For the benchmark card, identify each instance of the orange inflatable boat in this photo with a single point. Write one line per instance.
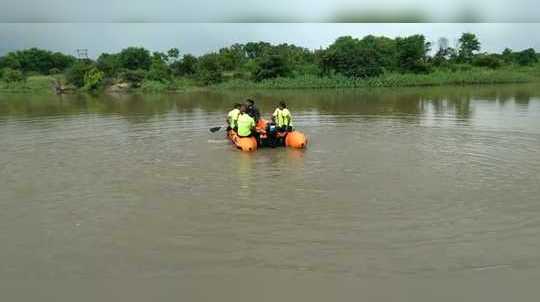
(269, 137)
(247, 144)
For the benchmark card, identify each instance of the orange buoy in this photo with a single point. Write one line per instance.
(296, 140)
(247, 144)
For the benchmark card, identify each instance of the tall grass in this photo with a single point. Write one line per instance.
(436, 78)
(40, 83)
(463, 76)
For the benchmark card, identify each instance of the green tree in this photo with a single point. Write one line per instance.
(359, 58)
(135, 58)
(189, 63)
(159, 70)
(36, 60)
(443, 53)
(233, 57)
(93, 78)
(256, 49)
(339, 57)
(299, 59)
(527, 57)
(109, 64)
(209, 70)
(161, 56)
(12, 75)
(134, 77)
(186, 66)
(385, 51)
(468, 44)
(173, 54)
(487, 60)
(412, 52)
(272, 67)
(61, 61)
(291, 52)
(75, 75)
(453, 54)
(508, 55)
(10, 61)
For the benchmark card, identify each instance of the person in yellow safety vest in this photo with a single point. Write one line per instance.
(282, 117)
(246, 124)
(232, 117)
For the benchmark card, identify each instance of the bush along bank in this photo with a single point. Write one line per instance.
(347, 63)
(437, 78)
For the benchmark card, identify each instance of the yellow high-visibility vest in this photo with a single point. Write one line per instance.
(232, 117)
(245, 124)
(283, 117)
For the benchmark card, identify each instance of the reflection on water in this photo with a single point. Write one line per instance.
(419, 188)
(136, 108)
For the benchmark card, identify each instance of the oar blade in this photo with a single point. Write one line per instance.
(215, 129)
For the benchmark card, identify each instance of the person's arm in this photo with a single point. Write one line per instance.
(288, 119)
(274, 115)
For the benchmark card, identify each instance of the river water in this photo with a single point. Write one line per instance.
(424, 194)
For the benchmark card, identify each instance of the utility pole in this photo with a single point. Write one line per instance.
(82, 53)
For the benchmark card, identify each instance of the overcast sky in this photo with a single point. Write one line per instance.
(199, 38)
(272, 11)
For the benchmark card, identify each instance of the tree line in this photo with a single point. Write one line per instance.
(365, 57)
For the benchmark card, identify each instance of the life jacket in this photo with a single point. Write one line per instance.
(283, 117)
(232, 117)
(245, 124)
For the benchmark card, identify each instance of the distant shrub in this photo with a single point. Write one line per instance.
(109, 64)
(273, 66)
(75, 75)
(153, 86)
(460, 67)
(186, 66)
(36, 60)
(93, 78)
(307, 69)
(159, 71)
(250, 66)
(12, 75)
(134, 58)
(134, 77)
(489, 61)
(421, 67)
(54, 71)
(209, 70)
(411, 54)
(527, 57)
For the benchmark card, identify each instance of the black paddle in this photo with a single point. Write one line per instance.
(215, 129)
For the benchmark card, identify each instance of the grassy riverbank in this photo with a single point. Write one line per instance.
(471, 76)
(38, 83)
(474, 76)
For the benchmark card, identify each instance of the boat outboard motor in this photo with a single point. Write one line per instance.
(271, 132)
(271, 128)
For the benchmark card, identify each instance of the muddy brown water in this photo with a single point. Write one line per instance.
(420, 194)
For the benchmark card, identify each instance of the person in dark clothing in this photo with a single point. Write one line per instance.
(252, 110)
